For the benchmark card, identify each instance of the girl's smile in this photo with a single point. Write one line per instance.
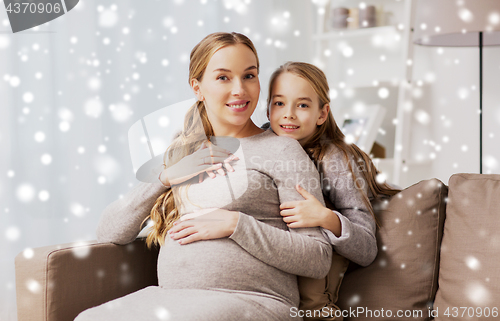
(289, 128)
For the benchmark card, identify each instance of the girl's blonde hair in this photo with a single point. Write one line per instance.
(329, 133)
(197, 129)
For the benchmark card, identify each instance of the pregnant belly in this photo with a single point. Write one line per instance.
(219, 264)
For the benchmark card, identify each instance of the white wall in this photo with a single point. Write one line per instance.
(451, 97)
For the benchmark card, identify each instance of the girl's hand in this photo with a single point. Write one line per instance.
(206, 224)
(207, 159)
(307, 213)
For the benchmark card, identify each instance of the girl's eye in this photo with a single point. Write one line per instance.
(303, 106)
(279, 103)
(222, 78)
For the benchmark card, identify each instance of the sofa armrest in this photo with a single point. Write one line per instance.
(60, 281)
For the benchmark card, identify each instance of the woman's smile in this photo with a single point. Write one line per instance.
(239, 106)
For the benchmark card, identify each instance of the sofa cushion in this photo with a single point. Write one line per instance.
(403, 276)
(318, 296)
(470, 253)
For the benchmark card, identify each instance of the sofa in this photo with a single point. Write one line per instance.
(439, 252)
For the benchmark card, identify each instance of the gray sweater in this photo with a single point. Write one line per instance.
(357, 240)
(262, 256)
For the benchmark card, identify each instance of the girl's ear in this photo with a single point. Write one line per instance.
(195, 85)
(323, 114)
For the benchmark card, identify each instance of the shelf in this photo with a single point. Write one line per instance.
(367, 85)
(354, 58)
(352, 33)
(390, 161)
(355, 3)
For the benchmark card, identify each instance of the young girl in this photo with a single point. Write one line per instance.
(299, 108)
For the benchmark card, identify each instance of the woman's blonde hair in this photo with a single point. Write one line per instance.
(197, 129)
(329, 133)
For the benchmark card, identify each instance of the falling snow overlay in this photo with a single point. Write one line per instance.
(71, 89)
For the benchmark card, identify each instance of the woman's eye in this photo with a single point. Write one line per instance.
(250, 76)
(303, 106)
(222, 78)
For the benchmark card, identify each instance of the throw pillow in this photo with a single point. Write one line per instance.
(470, 253)
(402, 281)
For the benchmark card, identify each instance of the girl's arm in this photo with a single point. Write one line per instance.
(120, 221)
(310, 212)
(357, 240)
(346, 222)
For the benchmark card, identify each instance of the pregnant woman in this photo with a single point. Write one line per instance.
(248, 271)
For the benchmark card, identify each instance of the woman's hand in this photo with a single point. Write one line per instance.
(309, 213)
(206, 224)
(207, 159)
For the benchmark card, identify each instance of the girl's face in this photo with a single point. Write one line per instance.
(230, 87)
(295, 111)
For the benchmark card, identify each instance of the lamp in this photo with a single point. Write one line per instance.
(460, 23)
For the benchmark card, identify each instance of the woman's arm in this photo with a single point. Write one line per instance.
(302, 251)
(290, 251)
(120, 221)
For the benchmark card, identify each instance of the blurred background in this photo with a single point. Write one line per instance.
(72, 88)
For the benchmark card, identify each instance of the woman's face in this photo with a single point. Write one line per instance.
(230, 87)
(294, 110)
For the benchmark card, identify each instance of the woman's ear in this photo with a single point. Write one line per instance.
(323, 114)
(195, 85)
